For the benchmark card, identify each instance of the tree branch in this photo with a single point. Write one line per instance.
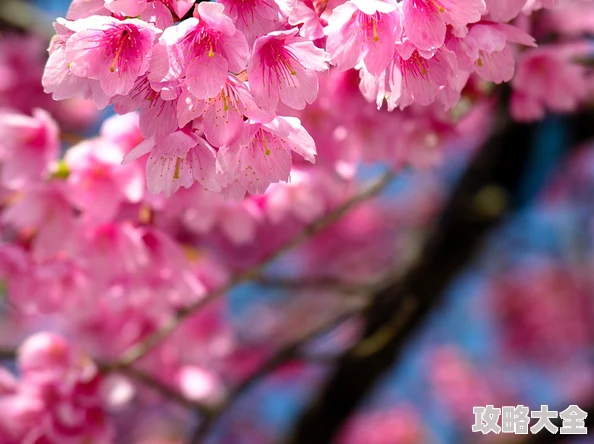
(138, 351)
(281, 357)
(483, 195)
(321, 283)
(7, 353)
(163, 389)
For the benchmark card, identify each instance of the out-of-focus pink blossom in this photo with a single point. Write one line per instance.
(57, 398)
(393, 425)
(504, 10)
(486, 51)
(98, 182)
(548, 79)
(27, 146)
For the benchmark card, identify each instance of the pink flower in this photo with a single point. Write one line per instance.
(457, 383)
(169, 270)
(22, 61)
(394, 424)
(263, 155)
(58, 397)
(128, 8)
(504, 10)
(98, 182)
(252, 17)
(203, 212)
(27, 146)
(415, 77)
(486, 51)
(283, 67)
(202, 50)
(45, 356)
(157, 12)
(535, 5)
(157, 115)
(570, 18)
(122, 130)
(363, 30)
(80, 9)
(222, 116)
(111, 253)
(301, 197)
(546, 78)
(115, 52)
(425, 21)
(59, 80)
(306, 15)
(42, 208)
(177, 160)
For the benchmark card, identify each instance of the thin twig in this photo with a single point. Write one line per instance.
(281, 357)
(321, 283)
(293, 350)
(7, 353)
(399, 312)
(139, 350)
(160, 387)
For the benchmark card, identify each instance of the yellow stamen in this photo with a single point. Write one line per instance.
(177, 164)
(118, 52)
(225, 104)
(145, 214)
(266, 149)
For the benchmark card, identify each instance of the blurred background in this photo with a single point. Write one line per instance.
(512, 325)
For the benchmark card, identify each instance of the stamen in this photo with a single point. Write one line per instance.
(177, 164)
(122, 42)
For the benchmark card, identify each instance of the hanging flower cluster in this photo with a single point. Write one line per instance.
(216, 83)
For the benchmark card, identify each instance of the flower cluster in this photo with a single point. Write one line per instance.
(60, 396)
(216, 83)
(22, 58)
(87, 250)
(232, 95)
(200, 120)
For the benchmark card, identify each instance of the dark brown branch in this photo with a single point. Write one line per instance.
(166, 391)
(139, 350)
(294, 349)
(481, 198)
(7, 353)
(322, 283)
(282, 356)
